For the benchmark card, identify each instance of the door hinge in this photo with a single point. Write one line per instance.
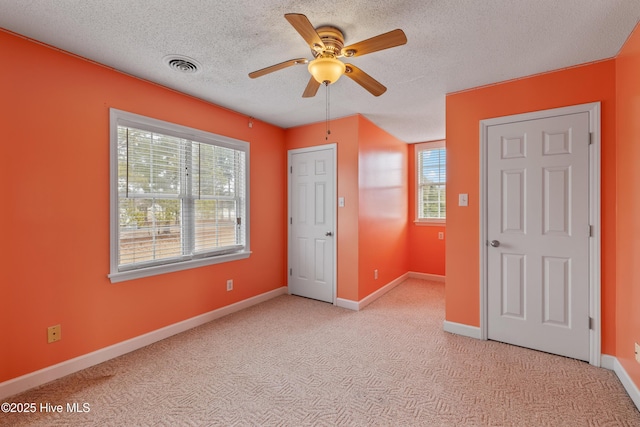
(290, 271)
(290, 169)
(590, 138)
(591, 231)
(291, 220)
(239, 220)
(591, 323)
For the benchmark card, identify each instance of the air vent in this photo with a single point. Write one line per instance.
(182, 64)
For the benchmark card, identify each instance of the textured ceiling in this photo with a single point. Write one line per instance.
(452, 45)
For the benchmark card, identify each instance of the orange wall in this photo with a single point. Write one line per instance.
(426, 253)
(54, 171)
(372, 178)
(628, 200)
(464, 110)
(344, 132)
(382, 216)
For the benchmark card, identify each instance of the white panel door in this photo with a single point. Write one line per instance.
(538, 234)
(311, 223)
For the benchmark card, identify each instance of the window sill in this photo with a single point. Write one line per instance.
(178, 266)
(431, 222)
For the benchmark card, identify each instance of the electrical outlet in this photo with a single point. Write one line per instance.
(375, 274)
(441, 235)
(230, 285)
(637, 352)
(54, 333)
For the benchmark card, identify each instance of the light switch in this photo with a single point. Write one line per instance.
(463, 200)
(341, 202)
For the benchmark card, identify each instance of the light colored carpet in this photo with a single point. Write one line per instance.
(296, 362)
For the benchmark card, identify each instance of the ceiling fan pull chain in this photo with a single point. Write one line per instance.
(328, 111)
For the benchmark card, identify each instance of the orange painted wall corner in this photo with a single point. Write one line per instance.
(628, 205)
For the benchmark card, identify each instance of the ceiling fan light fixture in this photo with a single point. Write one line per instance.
(326, 69)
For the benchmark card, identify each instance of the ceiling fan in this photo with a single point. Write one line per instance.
(327, 45)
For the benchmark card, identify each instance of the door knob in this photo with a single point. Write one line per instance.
(328, 233)
(495, 243)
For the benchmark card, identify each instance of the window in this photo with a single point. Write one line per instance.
(431, 182)
(179, 197)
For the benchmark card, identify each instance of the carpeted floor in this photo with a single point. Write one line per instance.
(297, 362)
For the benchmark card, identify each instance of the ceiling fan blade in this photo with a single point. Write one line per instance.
(365, 80)
(277, 67)
(312, 88)
(383, 41)
(305, 29)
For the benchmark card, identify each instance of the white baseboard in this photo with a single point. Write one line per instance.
(612, 363)
(426, 276)
(461, 329)
(348, 304)
(608, 362)
(359, 305)
(383, 290)
(43, 376)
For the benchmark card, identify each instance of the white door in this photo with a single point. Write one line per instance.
(312, 223)
(538, 234)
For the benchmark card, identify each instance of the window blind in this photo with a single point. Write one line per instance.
(178, 199)
(431, 169)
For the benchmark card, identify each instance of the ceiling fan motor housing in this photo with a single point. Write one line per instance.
(333, 40)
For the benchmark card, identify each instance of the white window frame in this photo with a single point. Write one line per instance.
(123, 118)
(418, 148)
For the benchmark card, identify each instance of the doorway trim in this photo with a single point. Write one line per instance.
(594, 216)
(334, 151)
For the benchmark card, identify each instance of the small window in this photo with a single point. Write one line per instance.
(431, 171)
(179, 197)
